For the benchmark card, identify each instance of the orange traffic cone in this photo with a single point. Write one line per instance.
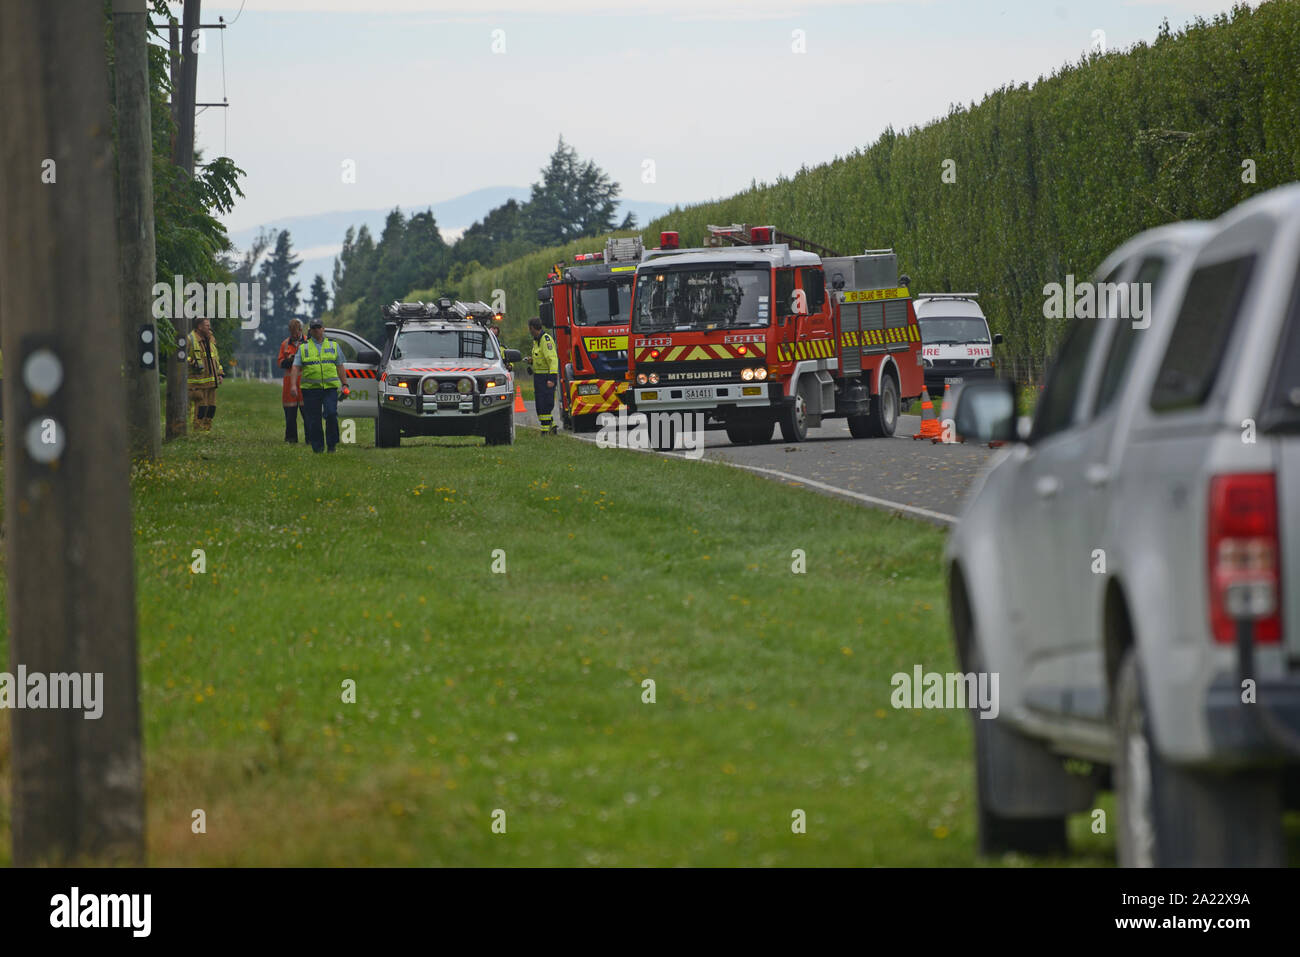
(945, 416)
(519, 399)
(930, 427)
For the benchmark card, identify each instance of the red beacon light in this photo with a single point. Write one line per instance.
(761, 235)
(669, 240)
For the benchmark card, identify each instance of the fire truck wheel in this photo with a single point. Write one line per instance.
(388, 431)
(750, 433)
(794, 418)
(882, 420)
(663, 433)
(741, 433)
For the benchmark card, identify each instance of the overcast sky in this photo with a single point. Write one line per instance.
(713, 93)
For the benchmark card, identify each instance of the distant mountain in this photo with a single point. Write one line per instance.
(317, 238)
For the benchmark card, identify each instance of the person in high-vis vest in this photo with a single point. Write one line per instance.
(318, 378)
(545, 363)
(205, 374)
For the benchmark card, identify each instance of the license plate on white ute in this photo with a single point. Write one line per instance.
(697, 393)
(445, 397)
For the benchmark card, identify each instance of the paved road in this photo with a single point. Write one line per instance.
(929, 480)
(917, 478)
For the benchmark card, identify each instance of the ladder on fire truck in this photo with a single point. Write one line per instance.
(742, 234)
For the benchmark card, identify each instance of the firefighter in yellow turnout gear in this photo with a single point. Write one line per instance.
(545, 364)
(204, 366)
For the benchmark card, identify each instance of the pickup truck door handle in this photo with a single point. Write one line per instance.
(1047, 486)
(1097, 474)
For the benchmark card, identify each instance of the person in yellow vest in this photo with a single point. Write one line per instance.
(318, 378)
(545, 364)
(205, 374)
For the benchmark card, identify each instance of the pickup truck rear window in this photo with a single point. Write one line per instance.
(1282, 406)
(1201, 333)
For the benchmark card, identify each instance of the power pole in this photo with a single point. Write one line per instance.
(77, 783)
(136, 225)
(183, 157)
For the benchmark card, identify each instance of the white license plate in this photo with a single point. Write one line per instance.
(953, 380)
(697, 393)
(448, 397)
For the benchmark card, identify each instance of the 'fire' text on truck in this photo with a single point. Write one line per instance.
(587, 305)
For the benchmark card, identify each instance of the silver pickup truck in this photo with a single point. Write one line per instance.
(1129, 564)
(441, 372)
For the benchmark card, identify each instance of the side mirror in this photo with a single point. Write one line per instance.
(997, 338)
(513, 356)
(546, 312)
(544, 294)
(986, 411)
(368, 357)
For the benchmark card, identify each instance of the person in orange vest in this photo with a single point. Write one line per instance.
(289, 398)
(205, 374)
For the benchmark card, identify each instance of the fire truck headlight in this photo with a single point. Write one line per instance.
(747, 375)
(654, 378)
(429, 386)
(984, 364)
(929, 363)
(641, 378)
(465, 386)
(760, 373)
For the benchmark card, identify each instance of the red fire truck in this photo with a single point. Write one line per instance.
(587, 304)
(762, 328)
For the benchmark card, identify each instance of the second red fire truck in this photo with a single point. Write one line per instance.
(587, 304)
(761, 329)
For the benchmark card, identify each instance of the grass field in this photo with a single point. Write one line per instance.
(523, 691)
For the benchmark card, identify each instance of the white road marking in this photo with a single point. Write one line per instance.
(835, 489)
(933, 516)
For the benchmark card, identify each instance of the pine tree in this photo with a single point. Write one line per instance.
(318, 300)
(573, 199)
(279, 281)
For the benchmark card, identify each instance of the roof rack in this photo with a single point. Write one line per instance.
(445, 308)
(742, 234)
(946, 295)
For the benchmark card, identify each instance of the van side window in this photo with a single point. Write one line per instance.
(1201, 332)
(814, 287)
(784, 291)
(1122, 346)
(1060, 396)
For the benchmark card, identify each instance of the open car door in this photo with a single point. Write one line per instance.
(360, 373)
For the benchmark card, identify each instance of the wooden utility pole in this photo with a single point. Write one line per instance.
(77, 783)
(136, 225)
(183, 157)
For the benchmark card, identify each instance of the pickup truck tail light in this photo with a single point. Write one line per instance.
(1244, 554)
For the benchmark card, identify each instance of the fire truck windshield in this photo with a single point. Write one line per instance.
(687, 298)
(443, 344)
(603, 304)
(953, 330)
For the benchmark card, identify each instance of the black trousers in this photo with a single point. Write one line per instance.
(291, 422)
